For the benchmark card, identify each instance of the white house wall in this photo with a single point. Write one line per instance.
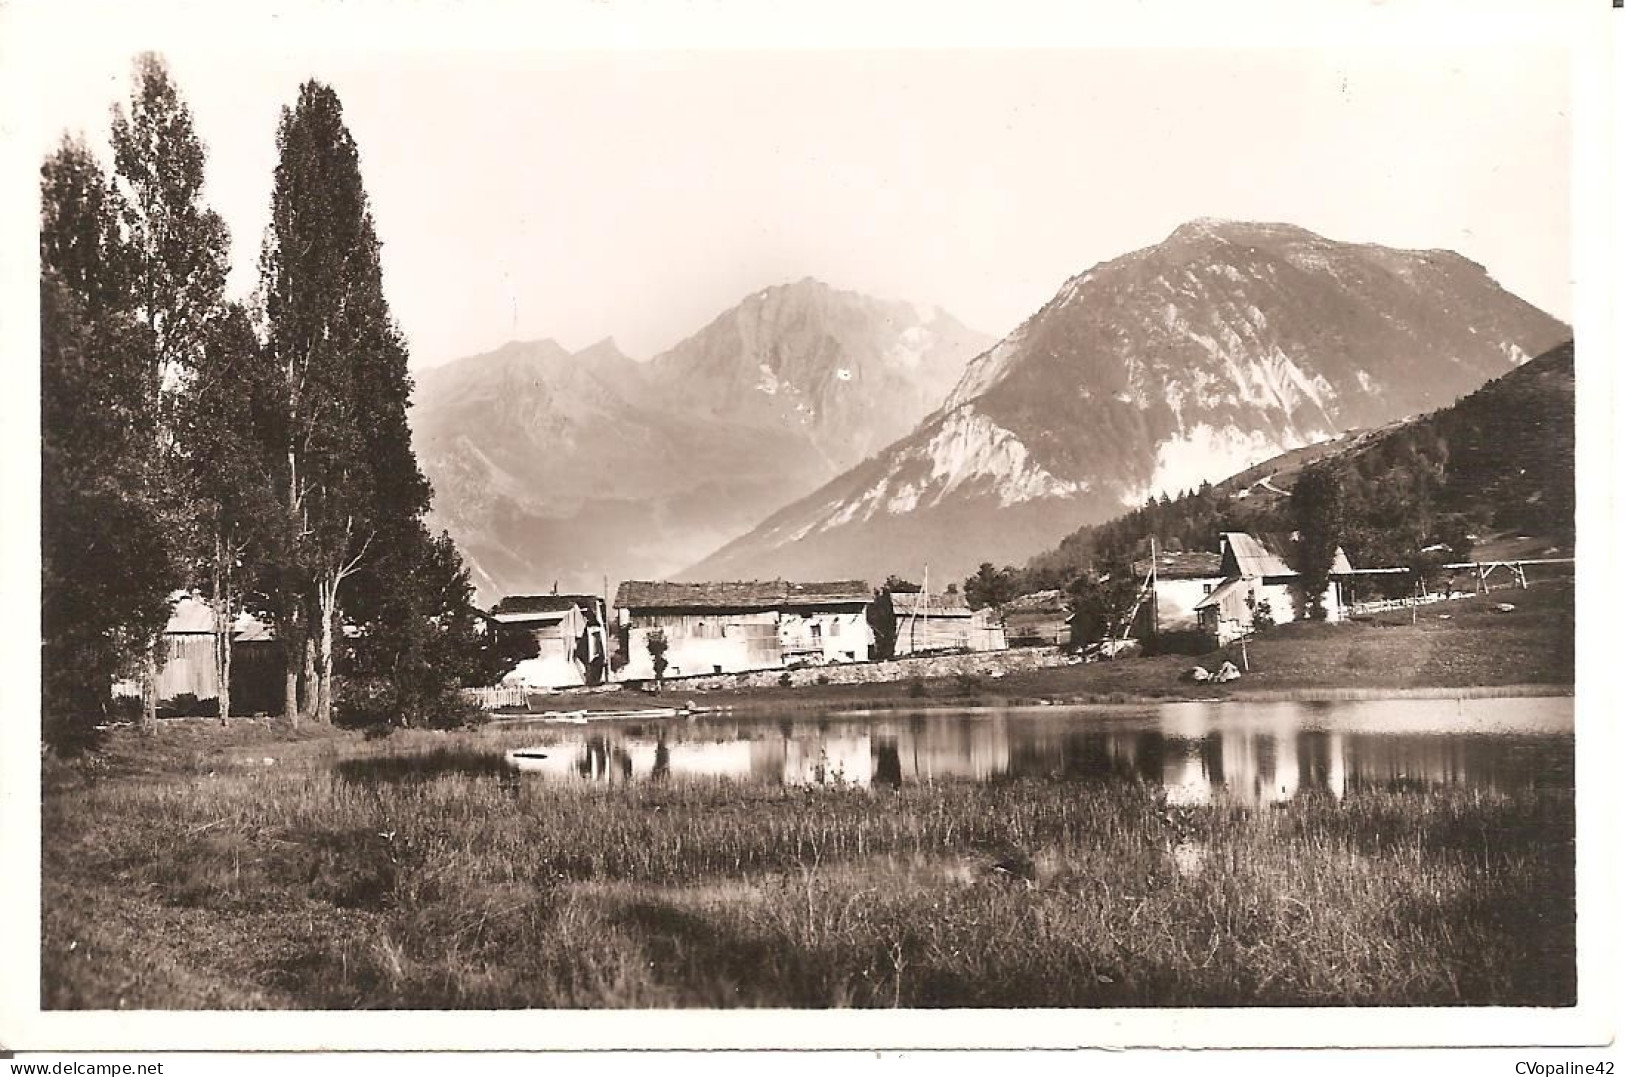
(1177, 599)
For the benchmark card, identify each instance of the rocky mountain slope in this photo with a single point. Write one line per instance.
(552, 467)
(1192, 359)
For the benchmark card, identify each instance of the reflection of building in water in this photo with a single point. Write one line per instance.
(1197, 754)
(1189, 771)
(1320, 762)
(944, 749)
(1381, 761)
(830, 760)
(611, 758)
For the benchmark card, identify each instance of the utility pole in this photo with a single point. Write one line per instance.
(1154, 623)
(925, 602)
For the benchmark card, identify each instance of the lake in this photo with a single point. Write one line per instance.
(1251, 752)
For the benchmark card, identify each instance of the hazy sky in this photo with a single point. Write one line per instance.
(579, 195)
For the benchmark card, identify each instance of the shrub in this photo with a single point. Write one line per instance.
(785, 680)
(1263, 616)
(823, 678)
(370, 702)
(188, 705)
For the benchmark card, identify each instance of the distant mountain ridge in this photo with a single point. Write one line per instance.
(552, 466)
(1221, 346)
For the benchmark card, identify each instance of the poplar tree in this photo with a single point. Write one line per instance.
(171, 258)
(221, 426)
(104, 570)
(348, 481)
(104, 574)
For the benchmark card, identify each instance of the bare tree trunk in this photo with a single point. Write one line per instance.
(290, 683)
(292, 651)
(307, 707)
(222, 627)
(149, 687)
(328, 601)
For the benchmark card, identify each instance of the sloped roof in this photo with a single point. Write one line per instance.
(1246, 556)
(905, 604)
(1221, 592)
(1250, 557)
(738, 594)
(1187, 565)
(542, 603)
(831, 591)
(190, 614)
(1051, 601)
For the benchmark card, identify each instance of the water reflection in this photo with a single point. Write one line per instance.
(1254, 753)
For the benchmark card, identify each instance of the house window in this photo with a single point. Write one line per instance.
(1207, 588)
(835, 628)
(817, 631)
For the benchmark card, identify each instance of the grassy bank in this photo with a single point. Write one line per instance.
(190, 872)
(1463, 647)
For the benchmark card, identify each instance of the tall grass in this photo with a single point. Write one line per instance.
(318, 881)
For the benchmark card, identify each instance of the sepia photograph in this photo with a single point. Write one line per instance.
(649, 518)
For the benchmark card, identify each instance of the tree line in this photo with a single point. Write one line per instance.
(254, 453)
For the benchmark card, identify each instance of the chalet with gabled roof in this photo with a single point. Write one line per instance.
(1255, 574)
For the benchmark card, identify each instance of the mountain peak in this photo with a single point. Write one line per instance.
(545, 347)
(1228, 231)
(605, 350)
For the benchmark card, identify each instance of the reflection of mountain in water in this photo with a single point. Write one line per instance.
(1253, 755)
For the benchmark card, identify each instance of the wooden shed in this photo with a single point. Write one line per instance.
(943, 623)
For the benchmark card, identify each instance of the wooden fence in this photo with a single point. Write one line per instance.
(501, 696)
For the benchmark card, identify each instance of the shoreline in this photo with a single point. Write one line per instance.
(757, 707)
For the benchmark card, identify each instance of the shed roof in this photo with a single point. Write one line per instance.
(738, 594)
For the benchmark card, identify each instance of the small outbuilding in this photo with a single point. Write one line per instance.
(1040, 619)
(571, 633)
(943, 622)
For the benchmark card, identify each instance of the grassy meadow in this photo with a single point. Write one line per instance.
(256, 867)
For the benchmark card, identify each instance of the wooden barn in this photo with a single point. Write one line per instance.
(943, 623)
(1041, 619)
(571, 633)
(187, 663)
(735, 626)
